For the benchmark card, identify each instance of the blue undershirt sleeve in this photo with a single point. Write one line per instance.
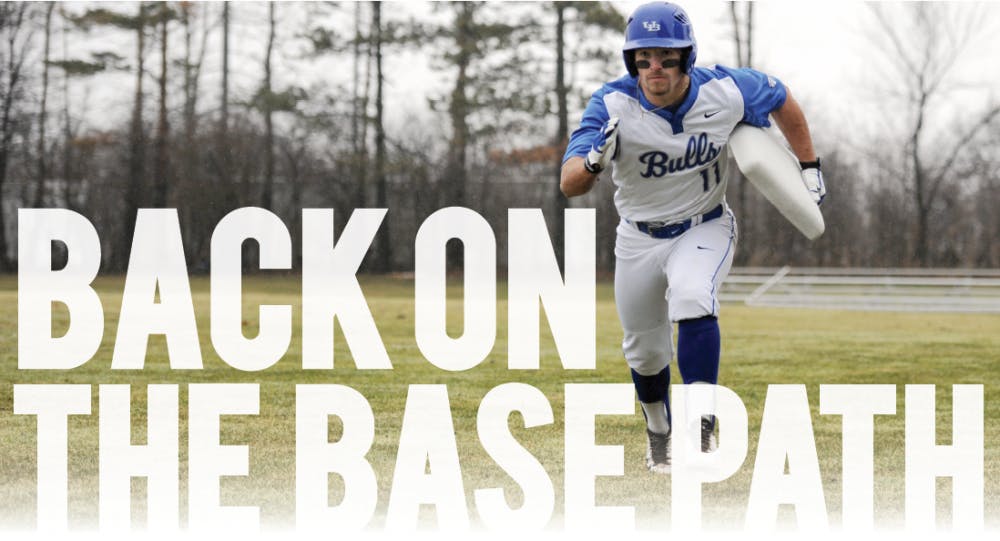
(594, 117)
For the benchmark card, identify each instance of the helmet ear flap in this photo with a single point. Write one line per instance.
(630, 63)
(685, 57)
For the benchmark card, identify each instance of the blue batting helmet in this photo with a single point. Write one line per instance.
(659, 24)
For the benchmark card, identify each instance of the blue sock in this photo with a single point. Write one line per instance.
(654, 388)
(698, 349)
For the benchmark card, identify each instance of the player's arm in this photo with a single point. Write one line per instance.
(590, 149)
(575, 179)
(792, 123)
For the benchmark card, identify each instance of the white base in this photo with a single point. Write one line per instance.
(776, 174)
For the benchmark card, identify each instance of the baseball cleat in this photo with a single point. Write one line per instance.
(658, 452)
(709, 442)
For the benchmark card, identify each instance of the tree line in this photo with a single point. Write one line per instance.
(513, 80)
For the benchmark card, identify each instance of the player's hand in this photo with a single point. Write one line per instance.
(812, 177)
(603, 147)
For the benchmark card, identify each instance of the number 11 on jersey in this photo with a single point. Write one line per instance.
(704, 175)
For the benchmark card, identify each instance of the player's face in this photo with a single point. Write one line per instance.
(660, 74)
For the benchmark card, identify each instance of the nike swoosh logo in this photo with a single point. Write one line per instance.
(710, 115)
(703, 248)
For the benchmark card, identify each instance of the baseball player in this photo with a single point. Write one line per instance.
(665, 128)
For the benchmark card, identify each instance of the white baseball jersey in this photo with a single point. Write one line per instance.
(671, 165)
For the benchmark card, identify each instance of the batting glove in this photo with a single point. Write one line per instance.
(603, 148)
(812, 177)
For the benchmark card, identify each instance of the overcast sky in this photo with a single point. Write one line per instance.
(820, 49)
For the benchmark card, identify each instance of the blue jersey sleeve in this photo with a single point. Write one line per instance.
(594, 118)
(761, 94)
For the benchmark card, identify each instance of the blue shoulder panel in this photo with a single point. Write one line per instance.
(761, 93)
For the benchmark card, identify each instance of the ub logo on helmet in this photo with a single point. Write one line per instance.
(652, 26)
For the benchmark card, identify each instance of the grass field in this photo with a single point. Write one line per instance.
(760, 347)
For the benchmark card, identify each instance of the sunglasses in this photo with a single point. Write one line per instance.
(666, 64)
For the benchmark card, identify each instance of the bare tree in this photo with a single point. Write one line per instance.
(382, 259)
(267, 193)
(14, 48)
(561, 139)
(742, 32)
(191, 65)
(456, 172)
(224, 99)
(359, 106)
(67, 122)
(161, 160)
(223, 149)
(43, 109)
(921, 45)
(737, 35)
(985, 163)
(137, 138)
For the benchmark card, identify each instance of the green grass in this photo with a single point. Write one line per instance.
(760, 347)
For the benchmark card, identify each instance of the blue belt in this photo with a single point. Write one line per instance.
(668, 231)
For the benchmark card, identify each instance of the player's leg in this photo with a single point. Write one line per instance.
(646, 342)
(697, 266)
(639, 297)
